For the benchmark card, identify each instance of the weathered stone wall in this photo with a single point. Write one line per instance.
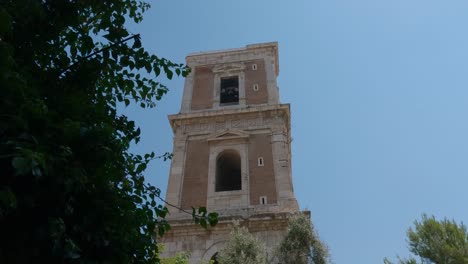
(262, 131)
(195, 180)
(203, 244)
(205, 79)
(209, 67)
(257, 77)
(203, 86)
(262, 178)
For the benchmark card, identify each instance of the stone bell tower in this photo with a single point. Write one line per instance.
(232, 151)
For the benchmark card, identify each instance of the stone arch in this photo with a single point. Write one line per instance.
(214, 258)
(213, 250)
(228, 171)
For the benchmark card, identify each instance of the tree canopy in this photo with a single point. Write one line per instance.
(438, 242)
(70, 189)
(302, 245)
(242, 248)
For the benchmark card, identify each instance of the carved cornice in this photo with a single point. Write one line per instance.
(236, 118)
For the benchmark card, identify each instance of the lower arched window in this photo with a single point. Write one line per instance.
(228, 171)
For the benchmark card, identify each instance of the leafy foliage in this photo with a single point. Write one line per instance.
(179, 258)
(70, 190)
(203, 218)
(301, 243)
(439, 242)
(242, 248)
(182, 258)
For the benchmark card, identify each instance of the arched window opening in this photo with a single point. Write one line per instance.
(228, 172)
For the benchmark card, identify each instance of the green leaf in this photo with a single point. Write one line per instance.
(114, 54)
(157, 70)
(137, 43)
(203, 223)
(5, 21)
(22, 166)
(169, 74)
(124, 61)
(148, 67)
(202, 211)
(73, 51)
(213, 218)
(141, 168)
(88, 44)
(105, 54)
(7, 198)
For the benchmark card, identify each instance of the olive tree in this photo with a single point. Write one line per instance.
(436, 242)
(302, 245)
(242, 248)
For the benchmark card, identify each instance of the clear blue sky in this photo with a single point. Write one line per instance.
(379, 98)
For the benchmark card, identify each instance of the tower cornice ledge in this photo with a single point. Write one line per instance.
(177, 119)
(235, 55)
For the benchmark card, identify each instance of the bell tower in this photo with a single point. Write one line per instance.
(232, 151)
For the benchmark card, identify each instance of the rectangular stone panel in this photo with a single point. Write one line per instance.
(202, 96)
(256, 77)
(261, 178)
(195, 180)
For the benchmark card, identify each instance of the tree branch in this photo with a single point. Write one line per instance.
(99, 51)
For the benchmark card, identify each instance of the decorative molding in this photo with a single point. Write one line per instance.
(231, 67)
(229, 134)
(236, 123)
(269, 114)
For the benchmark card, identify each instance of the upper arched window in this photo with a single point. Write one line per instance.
(228, 171)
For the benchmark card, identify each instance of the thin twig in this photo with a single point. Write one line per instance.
(171, 205)
(99, 51)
